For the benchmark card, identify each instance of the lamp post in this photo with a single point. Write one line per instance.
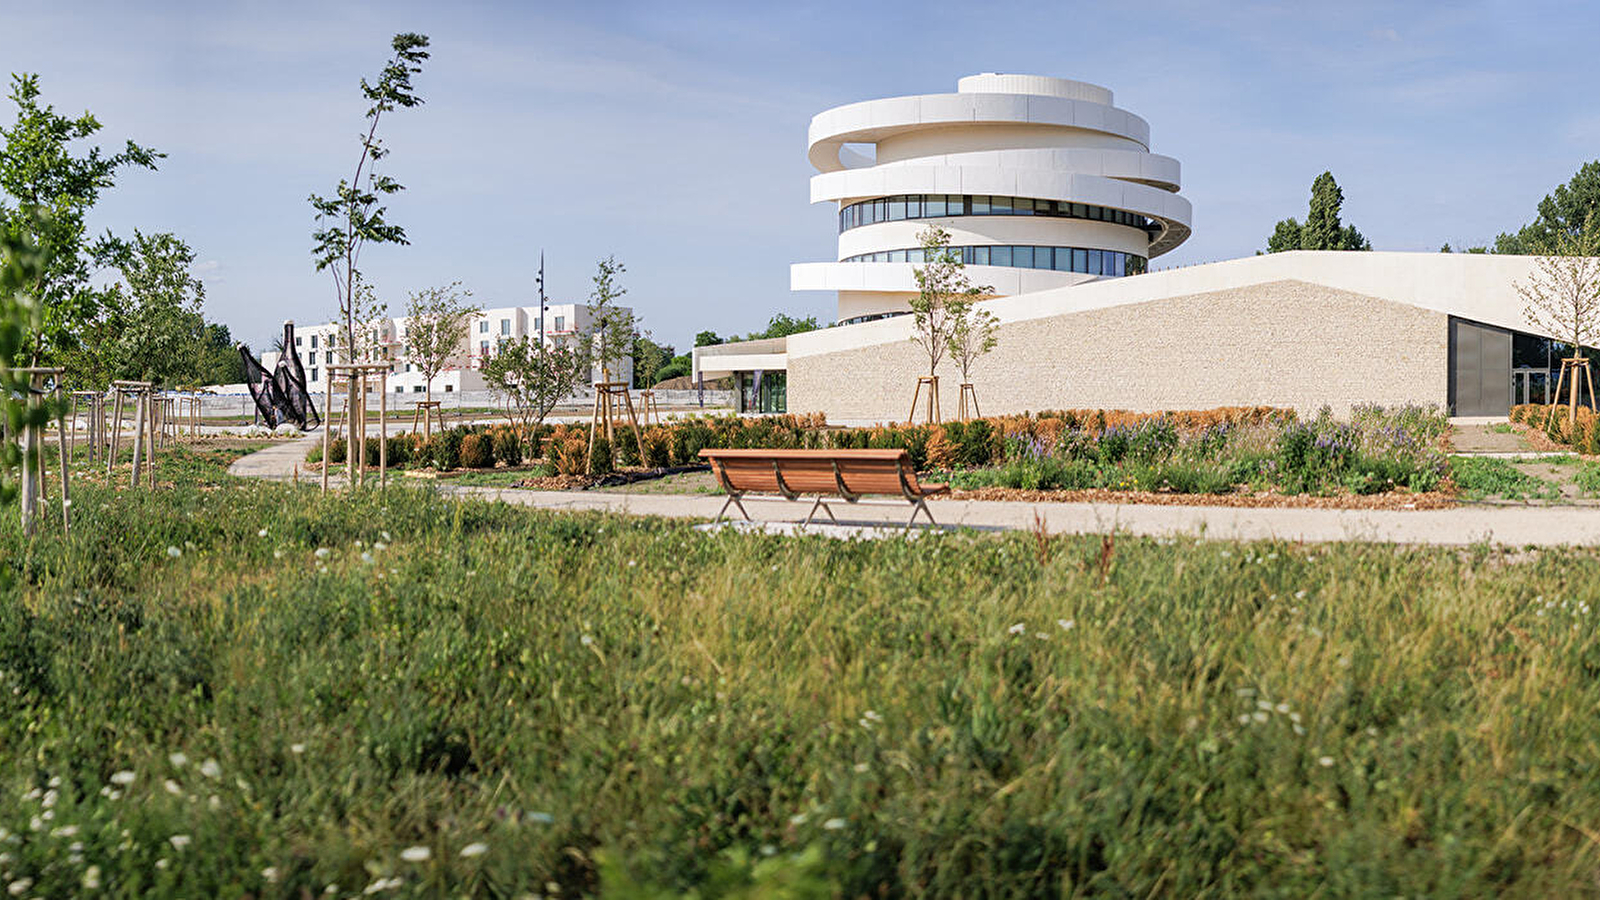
(541, 305)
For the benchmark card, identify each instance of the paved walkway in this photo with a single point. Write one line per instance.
(1514, 526)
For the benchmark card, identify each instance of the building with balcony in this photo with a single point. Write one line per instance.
(486, 332)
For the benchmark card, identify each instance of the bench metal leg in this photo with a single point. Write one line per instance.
(922, 507)
(825, 508)
(733, 500)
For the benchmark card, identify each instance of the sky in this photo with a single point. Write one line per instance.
(673, 135)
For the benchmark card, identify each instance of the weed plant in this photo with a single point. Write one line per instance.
(1487, 477)
(253, 690)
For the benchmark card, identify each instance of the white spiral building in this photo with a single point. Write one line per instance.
(1041, 183)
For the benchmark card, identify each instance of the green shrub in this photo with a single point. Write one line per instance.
(600, 462)
(477, 452)
(657, 448)
(337, 451)
(628, 446)
(447, 450)
(400, 450)
(508, 447)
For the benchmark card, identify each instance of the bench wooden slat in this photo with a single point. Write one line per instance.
(812, 471)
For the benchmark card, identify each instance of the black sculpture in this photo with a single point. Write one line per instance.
(281, 395)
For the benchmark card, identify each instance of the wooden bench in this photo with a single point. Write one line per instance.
(846, 474)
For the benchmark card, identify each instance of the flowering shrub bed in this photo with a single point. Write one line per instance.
(1377, 450)
(1196, 451)
(218, 690)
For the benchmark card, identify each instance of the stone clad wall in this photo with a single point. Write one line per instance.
(1284, 343)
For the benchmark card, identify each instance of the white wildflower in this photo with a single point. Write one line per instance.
(55, 781)
(1018, 628)
(1264, 705)
(834, 824)
(261, 533)
(1244, 718)
(173, 787)
(588, 640)
(178, 760)
(476, 848)
(174, 552)
(180, 841)
(270, 873)
(297, 749)
(797, 819)
(91, 878)
(210, 769)
(542, 818)
(214, 802)
(1066, 624)
(19, 887)
(163, 863)
(322, 553)
(1282, 708)
(386, 537)
(416, 854)
(1325, 761)
(366, 557)
(49, 798)
(65, 831)
(861, 767)
(277, 554)
(1259, 716)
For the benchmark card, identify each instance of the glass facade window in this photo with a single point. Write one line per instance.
(1062, 259)
(313, 342)
(925, 206)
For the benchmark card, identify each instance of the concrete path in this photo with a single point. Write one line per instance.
(1514, 526)
(1464, 525)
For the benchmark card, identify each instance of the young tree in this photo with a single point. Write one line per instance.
(437, 320)
(973, 332)
(649, 359)
(1562, 293)
(943, 287)
(615, 327)
(362, 338)
(352, 218)
(38, 171)
(533, 379)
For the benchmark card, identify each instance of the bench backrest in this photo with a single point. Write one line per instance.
(815, 471)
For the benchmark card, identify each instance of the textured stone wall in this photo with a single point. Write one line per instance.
(1285, 343)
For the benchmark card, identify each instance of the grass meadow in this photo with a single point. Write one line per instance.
(233, 690)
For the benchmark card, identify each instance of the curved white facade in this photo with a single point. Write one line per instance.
(1040, 181)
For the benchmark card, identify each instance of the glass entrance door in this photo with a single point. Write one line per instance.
(1530, 386)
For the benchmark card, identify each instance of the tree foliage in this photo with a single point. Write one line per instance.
(354, 215)
(650, 359)
(533, 379)
(40, 172)
(152, 327)
(437, 321)
(1322, 229)
(974, 331)
(943, 292)
(707, 339)
(22, 266)
(615, 327)
(1566, 210)
(1562, 292)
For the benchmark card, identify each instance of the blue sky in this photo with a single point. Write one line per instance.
(673, 135)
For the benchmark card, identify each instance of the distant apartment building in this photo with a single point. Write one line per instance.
(486, 332)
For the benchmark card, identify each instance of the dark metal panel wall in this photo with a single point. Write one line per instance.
(1480, 369)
